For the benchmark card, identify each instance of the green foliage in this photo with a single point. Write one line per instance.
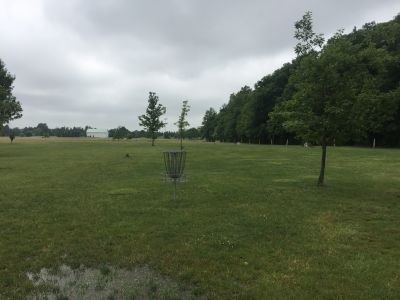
(245, 117)
(42, 129)
(227, 121)
(193, 133)
(209, 125)
(326, 87)
(182, 122)
(10, 108)
(68, 131)
(308, 39)
(119, 133)
(151, 120)
(245, 127)
(379, 45)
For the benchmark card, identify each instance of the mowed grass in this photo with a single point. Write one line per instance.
(249, 223)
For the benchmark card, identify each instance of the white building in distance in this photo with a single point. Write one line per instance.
(97, 133)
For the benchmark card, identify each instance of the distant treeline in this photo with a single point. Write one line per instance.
(117, 133)
(246, 117)
(122, 133)
(43, 130)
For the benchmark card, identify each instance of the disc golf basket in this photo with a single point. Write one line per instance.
(174, 165)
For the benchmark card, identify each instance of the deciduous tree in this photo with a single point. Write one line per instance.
(151, 120)
(326, 84)
(182, 122)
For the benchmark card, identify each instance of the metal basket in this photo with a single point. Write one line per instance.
(174, 162)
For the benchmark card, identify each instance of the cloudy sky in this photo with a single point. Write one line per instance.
(93, 63)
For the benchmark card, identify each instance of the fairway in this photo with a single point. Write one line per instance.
(249, 223)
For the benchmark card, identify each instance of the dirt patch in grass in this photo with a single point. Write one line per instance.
(106, 283)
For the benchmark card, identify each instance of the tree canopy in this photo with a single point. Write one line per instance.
(10, 108)
(121, 132)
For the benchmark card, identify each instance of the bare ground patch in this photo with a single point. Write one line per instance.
(106, 283)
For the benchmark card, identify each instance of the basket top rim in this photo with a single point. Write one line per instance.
(174, 151)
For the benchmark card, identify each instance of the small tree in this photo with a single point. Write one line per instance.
(323, 105)
(151, 120)
(182, 123)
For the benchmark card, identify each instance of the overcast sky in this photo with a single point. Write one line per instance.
(93, 63)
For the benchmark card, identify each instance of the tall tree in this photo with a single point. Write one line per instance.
(182, 122)
(10, 108)
(226, 129)
(245, 126)
(208, 125)
(151, 120)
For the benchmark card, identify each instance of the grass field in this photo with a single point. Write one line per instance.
(249, 223)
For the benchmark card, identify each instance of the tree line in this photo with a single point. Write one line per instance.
(43, 130)
(345, 90)
(120, 132)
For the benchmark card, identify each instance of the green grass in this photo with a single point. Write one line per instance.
(249, 223)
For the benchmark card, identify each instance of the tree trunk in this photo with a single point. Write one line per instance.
(181, 144)
(374, 143)
(152, 141)
(322, 171)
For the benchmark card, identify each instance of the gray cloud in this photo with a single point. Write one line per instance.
(93, 62)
